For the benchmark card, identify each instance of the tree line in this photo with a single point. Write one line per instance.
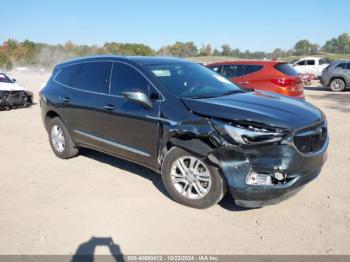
(28, 53)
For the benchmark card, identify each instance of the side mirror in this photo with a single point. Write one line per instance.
(138, 97)
(14, 80)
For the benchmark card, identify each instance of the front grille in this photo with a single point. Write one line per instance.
(12, 98)
(311, 139)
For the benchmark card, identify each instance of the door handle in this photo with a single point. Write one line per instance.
(109, 107)
(244, 83)
(65, 99)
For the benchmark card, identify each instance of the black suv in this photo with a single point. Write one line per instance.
(201, 132)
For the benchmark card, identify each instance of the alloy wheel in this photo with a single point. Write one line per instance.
(57, 138)
(338, 85)
(191, 177)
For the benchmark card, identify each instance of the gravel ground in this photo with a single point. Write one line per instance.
(53, 206)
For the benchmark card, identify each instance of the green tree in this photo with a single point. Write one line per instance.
(206, 50)
(302, 47)
(5, 61)
(226, 50)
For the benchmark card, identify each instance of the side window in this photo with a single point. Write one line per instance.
(341, 66)
(93, 76)
(310, 62)
(348, 66)
(253, 68)
(216, 69)
(66, 75)
(126, 78)
(231, 71)
(301, 63)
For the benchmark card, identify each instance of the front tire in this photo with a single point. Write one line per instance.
(60, 140)
(337, 85)
(191, 180)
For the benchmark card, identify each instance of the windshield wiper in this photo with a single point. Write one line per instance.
(232, 92)
(201, 97)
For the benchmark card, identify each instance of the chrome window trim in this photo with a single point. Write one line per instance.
(110, 79)
(112, 143)
(75, 88)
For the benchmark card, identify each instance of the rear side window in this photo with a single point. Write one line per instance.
(342, 66)
(310, 62)
(253, 68)
(126, 78)
(231, 71)
(66, 75)
(93, 76)
(286, 69)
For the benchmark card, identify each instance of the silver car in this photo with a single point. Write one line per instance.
(337, 75)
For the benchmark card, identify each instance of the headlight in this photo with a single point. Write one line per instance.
(249, 133)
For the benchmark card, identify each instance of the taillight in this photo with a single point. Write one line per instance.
(284, 81)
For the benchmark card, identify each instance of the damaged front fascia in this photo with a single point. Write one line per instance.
(201, 138)
(196, 136)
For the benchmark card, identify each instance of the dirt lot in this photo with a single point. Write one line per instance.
(52, 206)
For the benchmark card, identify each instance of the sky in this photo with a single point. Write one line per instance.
(244, 24)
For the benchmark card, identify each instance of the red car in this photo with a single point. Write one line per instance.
(274, 76)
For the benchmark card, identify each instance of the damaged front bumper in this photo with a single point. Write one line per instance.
(13, 99)
(298, 169)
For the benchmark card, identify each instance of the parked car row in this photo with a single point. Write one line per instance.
(273, 76)
(283, 78)
(204, 134)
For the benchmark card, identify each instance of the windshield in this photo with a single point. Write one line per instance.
(192, 80)
(4, 79)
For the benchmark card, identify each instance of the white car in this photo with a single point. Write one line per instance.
(310, 66)
(12, 94)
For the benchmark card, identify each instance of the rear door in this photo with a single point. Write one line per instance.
(243, 75)
(311, 67)
(85, 97)
(130, 128)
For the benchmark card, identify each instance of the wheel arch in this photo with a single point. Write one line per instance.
(50, 115)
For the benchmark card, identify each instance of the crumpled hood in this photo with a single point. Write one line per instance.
(261, 107)
(10, 87)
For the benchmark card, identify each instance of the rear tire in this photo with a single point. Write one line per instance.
(337, 85)
(192, 180)
(60, 140)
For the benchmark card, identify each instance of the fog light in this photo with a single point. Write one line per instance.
(279, 176)
(258, 179)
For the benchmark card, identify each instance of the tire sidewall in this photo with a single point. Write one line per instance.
(69, 146)
(218, 183)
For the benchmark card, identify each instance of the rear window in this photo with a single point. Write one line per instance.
(286, 69)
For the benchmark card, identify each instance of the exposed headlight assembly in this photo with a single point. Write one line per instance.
(249, 133)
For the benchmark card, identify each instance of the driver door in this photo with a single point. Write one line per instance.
(129, 127)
